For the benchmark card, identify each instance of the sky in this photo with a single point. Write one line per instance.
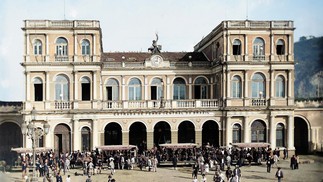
(130, 25)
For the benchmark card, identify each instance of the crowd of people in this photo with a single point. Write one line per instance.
(226, 162)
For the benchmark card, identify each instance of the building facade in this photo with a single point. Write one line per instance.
(236, 86)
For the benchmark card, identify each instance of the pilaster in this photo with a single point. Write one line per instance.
(174, 136)
(77, 136)
(272, 135)
(198, 137)
(246, 130)
(150, 139)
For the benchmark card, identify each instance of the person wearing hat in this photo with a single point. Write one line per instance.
(279, 174)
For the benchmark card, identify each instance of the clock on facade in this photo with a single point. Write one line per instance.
(156, 60)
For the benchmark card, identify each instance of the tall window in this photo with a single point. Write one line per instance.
(259, 49)
(258, 131)
(86, 88)
(200, 88)
(236, 87)
(179, 92)
(61, 47)
(86, 139)
(258, 86)
(38, 89)
(134, 89)
(280, 135)
(85, 47)
(280, 47)
(112, 89)
(280, 87)
(236, 138)
(156, 89)
(38, 47)
(236, 47)
(61, 88)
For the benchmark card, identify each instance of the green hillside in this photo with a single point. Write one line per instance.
(308, 67)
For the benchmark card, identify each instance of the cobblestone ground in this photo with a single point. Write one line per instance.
(309, 172)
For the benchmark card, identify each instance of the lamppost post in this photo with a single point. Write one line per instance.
(34, 133)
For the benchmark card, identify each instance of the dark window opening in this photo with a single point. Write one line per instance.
(197, 92)
(280, 50)
(86, 94)
(38, 92)
(154, 93)
(236, 50)
(109, 93)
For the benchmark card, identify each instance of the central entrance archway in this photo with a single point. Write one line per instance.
(186, 132)
(113, 134)
(300, 136)
(10, 137)
(138, 136)
(162, 133)
(62, 140)
(210, 133)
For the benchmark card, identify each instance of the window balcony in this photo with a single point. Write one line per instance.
(63, 58)
(63, 105)
(166, 104)
(258, 102)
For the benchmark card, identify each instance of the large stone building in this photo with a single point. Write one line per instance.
(236, 86)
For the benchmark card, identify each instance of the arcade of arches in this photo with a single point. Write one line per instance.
(10, 134)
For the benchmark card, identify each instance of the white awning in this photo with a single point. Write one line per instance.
(117, 147)
(179, 145)
(250, 145)
(30, 150)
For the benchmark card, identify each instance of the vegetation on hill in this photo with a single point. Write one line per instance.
(309, 67)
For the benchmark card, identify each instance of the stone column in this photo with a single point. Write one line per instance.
(228, 85)
(272, 135)
(75, 47)
(95, 132)
(77, 135)
(246, 47)
(272, 81)
(94, 48)
(94, 74)
(289, 85)
(27, 86)
(198, 137)
(190, 88)
(145, 88)
(246, 130)
(228, 131)
(125, 137)
(174, 136)
(290, 133)
(47, 48)
(150, 139)
(123, 88)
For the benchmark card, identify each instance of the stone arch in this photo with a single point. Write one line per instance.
(302, 140)
(62, 138)
(210, 133)
(162, 133)
(113, 134)
(186, 132)
(138, 135)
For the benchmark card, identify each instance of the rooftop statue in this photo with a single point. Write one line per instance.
(155, 48)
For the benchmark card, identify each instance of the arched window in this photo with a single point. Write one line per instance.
(86, 88)
(38, 47)
(258, 131)
(86, 139)
(280, 47)
(280, 135)
(61, 47)
(156, 89)
(236, 47)
(61, 88)
(236, 133)
(200, 88)
(280, 87)
(179, 92)
(38, 89)
(258, 86)
(259, 49)
(85, 47)
(112, 89)
(134, 89)
(236, 87)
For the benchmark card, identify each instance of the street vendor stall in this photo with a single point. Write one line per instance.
(117, 147)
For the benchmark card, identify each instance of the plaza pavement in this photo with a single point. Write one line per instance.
(311, 170)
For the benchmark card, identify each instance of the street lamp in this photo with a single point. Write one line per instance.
(34, 134)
